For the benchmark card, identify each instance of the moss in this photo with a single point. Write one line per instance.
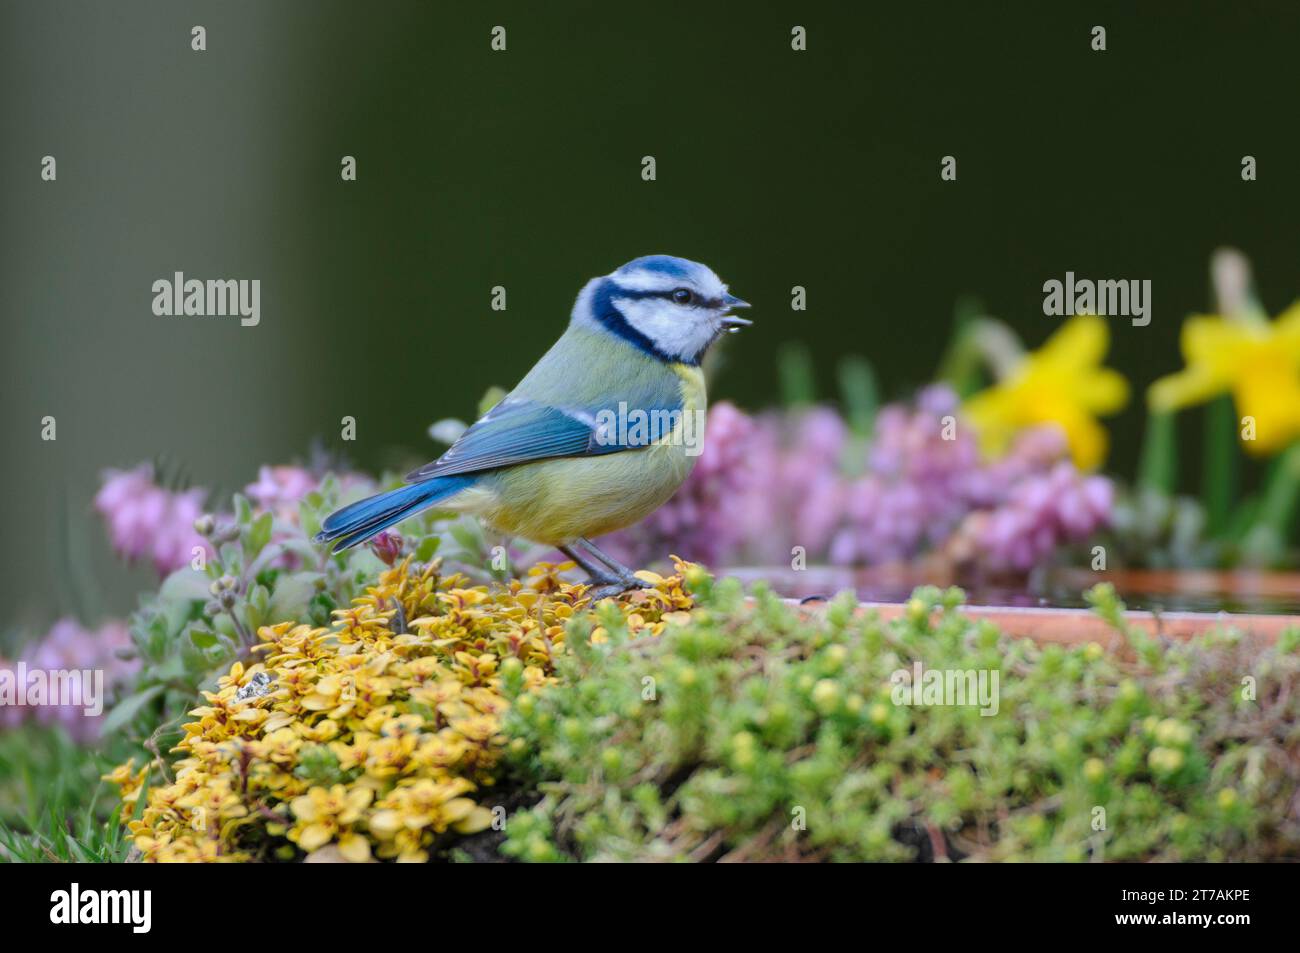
(756, 732)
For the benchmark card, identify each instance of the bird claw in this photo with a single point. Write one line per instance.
(606, 591)
(605, 587)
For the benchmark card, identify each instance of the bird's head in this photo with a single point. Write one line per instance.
(668, 307)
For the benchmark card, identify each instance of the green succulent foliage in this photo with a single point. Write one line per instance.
(756, 731)
(1162, 531)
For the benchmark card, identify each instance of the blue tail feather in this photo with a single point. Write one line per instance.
(358, 521)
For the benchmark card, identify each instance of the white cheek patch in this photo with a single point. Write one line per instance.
(680, 332)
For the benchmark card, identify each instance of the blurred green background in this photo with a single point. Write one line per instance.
(522, 169)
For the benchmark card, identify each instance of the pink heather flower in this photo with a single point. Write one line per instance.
(809, 476)
(70, 647)
(280, 488)
(793, 491)
(915, 489)
(922, 492)
(147, 521)
(1041, 512)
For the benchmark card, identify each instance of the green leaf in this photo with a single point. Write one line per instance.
(327, 490)
(122, 713)
(185, 585)
(363, 563)
(226, 626)
(259, 534)
(468, 534)
(231, 556)
(169, 670)
(202, 638)
(426, 548)
(153, 636)
(257, 607)
(304, 549)
(310, 514)
(320, 608)
(293, 593)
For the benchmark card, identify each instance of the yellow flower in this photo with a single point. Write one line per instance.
(130, 782)
(1062, 383)
(324, 815)
(420, 805)
(1256, 361)
(414, 717)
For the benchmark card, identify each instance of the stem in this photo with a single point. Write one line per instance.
(1219, 474)
(860, 393)
(245, 637)
(1282, 492)
(1157, 470)
(795, 370)
(1265, 541)
(959, 367)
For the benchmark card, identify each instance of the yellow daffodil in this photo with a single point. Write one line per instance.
(1062, 383)
(1258, 362)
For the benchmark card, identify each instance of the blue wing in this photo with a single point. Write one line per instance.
(521, 431)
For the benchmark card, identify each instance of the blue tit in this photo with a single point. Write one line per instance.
(599, 434)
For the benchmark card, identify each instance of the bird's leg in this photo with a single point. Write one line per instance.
(621, 572)
(603, 583)
(598, 575)
(608, 576)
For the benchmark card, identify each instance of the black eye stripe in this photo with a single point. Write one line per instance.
(696, 299)
(605, 309)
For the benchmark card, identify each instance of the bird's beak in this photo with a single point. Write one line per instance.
(730, 321)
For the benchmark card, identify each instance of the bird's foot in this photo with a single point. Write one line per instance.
(605, 587)
(606, 591)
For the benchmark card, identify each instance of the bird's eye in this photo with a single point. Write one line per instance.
(683, 296)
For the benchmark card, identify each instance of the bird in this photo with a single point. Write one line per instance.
(561, 458)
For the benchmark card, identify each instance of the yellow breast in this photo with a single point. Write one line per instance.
(694, 396)
(556, 501)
